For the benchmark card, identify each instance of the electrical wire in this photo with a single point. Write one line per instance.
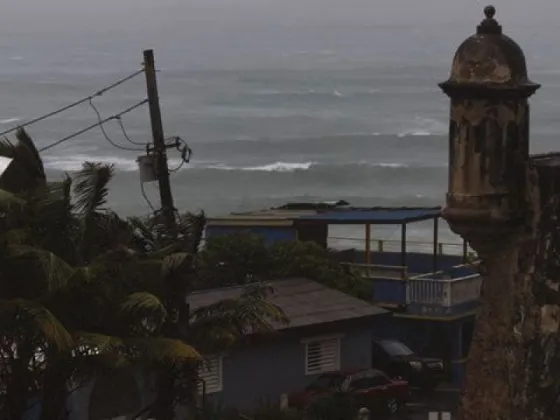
(126, 136)
(100, 123)
(91, 127)
(146, 197)
(74, 104)
(185, 150)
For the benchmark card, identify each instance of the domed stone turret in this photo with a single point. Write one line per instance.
(488, 131)
(489, 59)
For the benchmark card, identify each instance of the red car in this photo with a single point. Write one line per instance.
(368, 388)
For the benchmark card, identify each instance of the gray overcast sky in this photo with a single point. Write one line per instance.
(212, 33)
(56, 13)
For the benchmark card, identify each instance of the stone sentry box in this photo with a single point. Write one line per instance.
(489, 128)
(506, 204)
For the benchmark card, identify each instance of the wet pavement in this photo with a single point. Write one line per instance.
(440, 401)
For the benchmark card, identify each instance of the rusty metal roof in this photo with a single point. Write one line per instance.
(305, 302)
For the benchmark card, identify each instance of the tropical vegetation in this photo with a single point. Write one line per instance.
(238, 259)
(84, 292)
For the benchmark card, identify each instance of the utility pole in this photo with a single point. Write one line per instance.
(168, 210)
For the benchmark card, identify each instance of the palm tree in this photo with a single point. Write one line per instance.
(116, 289)
(46, 217)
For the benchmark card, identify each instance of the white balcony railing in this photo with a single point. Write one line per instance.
(448, 292)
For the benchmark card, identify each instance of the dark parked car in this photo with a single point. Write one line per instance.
(366, 388)
(398, 360)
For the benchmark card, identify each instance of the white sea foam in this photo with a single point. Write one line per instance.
(414, 133)
(75, 162)
(271, 167)
(9, 120)
(424, 127)
(390, 165)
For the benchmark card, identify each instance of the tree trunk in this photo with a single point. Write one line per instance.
(18, 386)
(164, 405)
(55, 394)
(513, 371)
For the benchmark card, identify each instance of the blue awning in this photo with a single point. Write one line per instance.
(376, 215)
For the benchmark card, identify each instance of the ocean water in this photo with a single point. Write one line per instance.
(312, 108)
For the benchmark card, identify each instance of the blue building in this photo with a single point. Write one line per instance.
(433, 295)
(328, 331)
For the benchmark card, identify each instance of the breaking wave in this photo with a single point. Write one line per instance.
(9, 120)
(75, 162)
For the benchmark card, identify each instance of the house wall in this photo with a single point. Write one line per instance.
(252, 373)
(259, 374)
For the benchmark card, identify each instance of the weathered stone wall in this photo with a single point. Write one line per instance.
(514, 362)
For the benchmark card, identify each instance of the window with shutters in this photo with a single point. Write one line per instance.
(322, 355)
(210, 373)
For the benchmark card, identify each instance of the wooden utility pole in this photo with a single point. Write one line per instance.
(167, 207)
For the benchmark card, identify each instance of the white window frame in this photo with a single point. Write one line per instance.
(330, 340)
(205, 374)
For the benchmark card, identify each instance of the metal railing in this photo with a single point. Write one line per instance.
(465, 289)
(377, 271)
(440, 274)
(388, 245)
(446, 293)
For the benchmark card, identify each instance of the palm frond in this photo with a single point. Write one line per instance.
(162, 350)
(16, 236)
(37, 321)
(9, 201)
(191, 227)
(92, 343)
(144, 303)
(251, 312)
(27, 146)
(26, 171)
(174, 262)
(143, 234)
(91, 187)
(161, 253)
(57, 272)
(97, 354)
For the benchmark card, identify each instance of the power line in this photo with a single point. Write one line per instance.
(126, 136)
(101, 122)
(185, 150)
(74, 104)
(143, 191)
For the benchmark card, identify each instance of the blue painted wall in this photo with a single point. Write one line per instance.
(271, 234)
(254, 374)
(261, 373)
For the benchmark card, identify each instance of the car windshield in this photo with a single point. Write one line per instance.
(327, 382)
(395, 348)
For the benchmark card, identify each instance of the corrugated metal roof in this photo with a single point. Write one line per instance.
(305, 302)
(374, 215)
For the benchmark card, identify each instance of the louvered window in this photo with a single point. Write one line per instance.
(210, 373)
(322, 355)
